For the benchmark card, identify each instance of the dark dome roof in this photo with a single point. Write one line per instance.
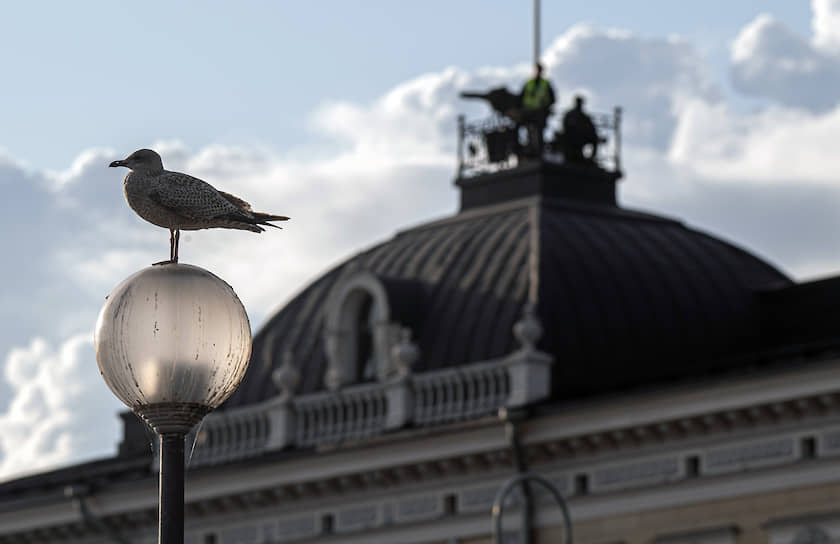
(625, 298)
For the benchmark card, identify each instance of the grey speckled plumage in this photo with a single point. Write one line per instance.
(177, 201)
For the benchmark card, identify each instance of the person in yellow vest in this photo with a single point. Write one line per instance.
(536, 99)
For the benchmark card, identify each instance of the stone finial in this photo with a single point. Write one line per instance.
(528, 330)
(286, 377)
(404, 353)
(333, 378)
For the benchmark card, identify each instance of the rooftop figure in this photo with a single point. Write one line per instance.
(578, 133)
(536, 98)
(514, 133)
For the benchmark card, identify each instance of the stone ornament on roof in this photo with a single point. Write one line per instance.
(528, 330)
(404, 354)
(286, 377)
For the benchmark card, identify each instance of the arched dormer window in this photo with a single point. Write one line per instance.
(358, 333)
(364, 334)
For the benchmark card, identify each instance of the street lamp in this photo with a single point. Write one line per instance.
(172, 342)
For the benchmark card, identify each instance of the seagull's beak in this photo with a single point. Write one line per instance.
(116, 163)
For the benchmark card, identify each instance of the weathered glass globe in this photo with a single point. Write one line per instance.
(172, 342)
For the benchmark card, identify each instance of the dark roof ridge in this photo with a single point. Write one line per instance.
(473, 213)
(617, 212)
(563, 204)
(737, 248)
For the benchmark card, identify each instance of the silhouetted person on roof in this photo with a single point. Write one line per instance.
(578, 131)
(536, 99)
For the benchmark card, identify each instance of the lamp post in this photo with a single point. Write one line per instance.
(172, 342)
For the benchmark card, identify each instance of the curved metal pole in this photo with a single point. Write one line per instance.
(504, 491)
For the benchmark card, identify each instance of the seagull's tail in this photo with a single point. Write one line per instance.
(264, 218)
(247, 220)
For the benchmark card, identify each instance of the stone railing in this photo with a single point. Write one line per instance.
(357, 411)
(460, 393)
(348, 414)
(229, 435)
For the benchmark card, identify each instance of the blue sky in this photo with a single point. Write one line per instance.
(342, 116)
(116, 74)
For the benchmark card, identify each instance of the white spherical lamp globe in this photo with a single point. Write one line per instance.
(172, 342)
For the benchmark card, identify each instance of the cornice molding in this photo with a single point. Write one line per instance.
(612, 452)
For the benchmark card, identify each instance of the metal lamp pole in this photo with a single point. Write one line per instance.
(171, 498)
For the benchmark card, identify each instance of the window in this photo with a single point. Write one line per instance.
(365, 359)
(358, 331)
(581, 484)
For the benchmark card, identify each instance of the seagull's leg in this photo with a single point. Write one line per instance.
(173, 249)
(177, 239)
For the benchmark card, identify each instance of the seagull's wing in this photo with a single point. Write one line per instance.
(191, 197)
(236, 201)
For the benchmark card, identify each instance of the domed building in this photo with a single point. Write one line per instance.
(670, 386)
(621, 294)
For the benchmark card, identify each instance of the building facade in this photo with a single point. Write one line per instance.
(672, 387)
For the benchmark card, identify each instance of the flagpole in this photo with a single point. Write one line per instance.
(536, 31)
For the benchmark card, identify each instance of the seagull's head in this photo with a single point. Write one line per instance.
(142, 160)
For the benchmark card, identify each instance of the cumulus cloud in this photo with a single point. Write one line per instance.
(769, 61)
(773, 145)
(826, 24)
(60, 411)
(762, 177)
(652, 77)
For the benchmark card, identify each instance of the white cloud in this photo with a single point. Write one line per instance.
(770, 61)
(60, 411)
(826, 24)
(773, 145)
(652, 77)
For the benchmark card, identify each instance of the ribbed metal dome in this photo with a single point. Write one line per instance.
(625, 298)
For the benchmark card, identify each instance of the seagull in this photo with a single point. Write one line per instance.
(177, 201)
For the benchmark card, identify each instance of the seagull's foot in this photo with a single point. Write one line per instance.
(170, 261)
